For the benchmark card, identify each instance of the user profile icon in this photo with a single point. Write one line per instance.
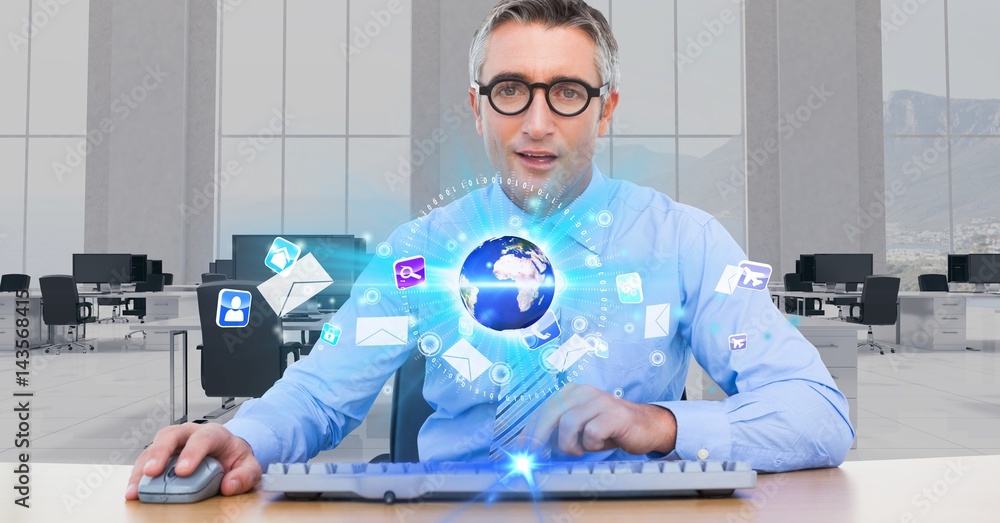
(233, 309)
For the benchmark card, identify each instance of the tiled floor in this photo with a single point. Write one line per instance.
(88, 406)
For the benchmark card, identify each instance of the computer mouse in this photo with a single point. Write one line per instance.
(168, 487)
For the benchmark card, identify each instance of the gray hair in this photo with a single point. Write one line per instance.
(551, 13)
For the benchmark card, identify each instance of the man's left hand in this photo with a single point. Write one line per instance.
(582, 419)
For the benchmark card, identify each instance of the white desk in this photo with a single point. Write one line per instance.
(939, 320)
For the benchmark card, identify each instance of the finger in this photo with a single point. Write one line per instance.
(540, 425)
(571, 426)
(597, 434)
(205, 442)
(244, 475)
(132, 491)
(165, 444)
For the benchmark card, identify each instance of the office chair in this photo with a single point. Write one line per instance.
(242, 362)
(61, 306)
(877, 307)
(410, 410)
(114, 303)
(14, 282)
(208, 277)
(933, 283)
(811, 307)
(137, 306)
(168, 278)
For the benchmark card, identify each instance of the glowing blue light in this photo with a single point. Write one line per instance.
(522, 464)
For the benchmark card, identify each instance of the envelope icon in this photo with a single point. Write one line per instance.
(382, 330)
(658, 320)
(468, 362)
(730, 279)
(294, 286)
(566, 355)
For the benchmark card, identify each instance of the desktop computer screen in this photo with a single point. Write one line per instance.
(139, 268)
(842, 268)
(984, 268)
(154, 267)
(958, 268)
(337, 255)
(102, 268)
(806, 267)
(225, 267)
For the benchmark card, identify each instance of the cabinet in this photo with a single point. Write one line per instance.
(9, 316)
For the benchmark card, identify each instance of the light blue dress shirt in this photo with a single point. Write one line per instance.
(783, 412)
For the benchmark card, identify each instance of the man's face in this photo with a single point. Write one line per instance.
(539, 146)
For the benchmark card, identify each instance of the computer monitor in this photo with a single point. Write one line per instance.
(211, 267)
(225, 267)
(139, 268)
(842, 268)
(154, 267)
(102, 268)
(335, 253)
(806, 268)
(984, 269)
(958, 268)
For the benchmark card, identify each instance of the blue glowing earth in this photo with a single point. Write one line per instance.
(507, 283)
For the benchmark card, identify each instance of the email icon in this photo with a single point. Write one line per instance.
(467, 361)
(658, 320)
(296, 285)
(566, 355)
(730, 279)
(382, 330)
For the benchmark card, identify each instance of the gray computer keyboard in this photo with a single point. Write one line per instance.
(464, 481)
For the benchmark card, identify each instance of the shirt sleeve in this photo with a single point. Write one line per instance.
(324, 396)
(784, 411)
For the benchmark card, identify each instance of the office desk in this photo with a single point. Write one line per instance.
(180, 327)
(932, 489)
(939, 320)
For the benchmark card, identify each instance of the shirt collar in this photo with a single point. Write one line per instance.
(584, 210)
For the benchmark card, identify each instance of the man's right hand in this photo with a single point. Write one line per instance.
(193, 442)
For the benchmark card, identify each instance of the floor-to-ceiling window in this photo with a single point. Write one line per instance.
(941, 76)
(43, 144)
(314, 108)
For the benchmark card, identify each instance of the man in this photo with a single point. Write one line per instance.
(544, 87)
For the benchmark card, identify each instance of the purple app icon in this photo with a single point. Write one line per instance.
(409, 272)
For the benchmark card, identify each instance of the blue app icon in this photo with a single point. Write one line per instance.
(737, 342)
(330, 334)
(233, 309)
(754, 275)
(629, 287)
(546, 329)
(282, 255)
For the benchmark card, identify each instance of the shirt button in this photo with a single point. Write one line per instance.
(703, 454)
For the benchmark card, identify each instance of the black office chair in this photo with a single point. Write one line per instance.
(61, 306)
(209, 277)
(137, 306)
(877, 307)
(811, 307)
(168, 278)
(240, 362)
(14, 282)
(933, 283)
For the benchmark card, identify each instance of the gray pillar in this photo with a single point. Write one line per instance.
(151, 94)
(871, 142)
